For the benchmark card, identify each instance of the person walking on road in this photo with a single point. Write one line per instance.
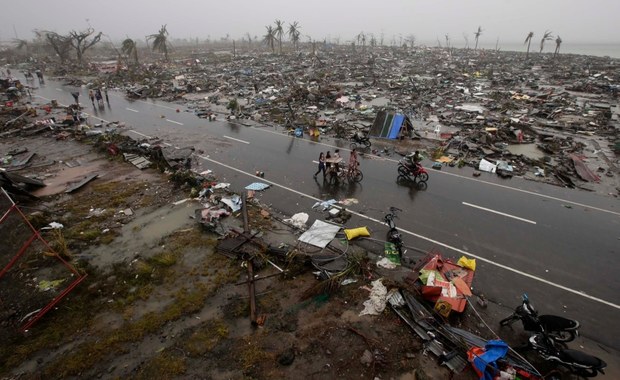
(76, 95)
(321, 165)
(99, 97)
(91, 95)
(353, 161)
(105, 92)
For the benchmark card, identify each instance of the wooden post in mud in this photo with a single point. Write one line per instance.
(252, 291)
(244, 208)
(251, 288)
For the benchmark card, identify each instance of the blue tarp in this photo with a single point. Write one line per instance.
(494, 350)
(389, 125)
(397, 122)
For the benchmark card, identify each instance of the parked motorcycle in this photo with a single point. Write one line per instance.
(579, 363)
(393, 236)
(406, 171)
(559, 328)
(359, 139)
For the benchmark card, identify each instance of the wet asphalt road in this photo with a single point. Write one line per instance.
(558, 245)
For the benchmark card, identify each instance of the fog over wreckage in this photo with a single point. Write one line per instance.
(504, 24)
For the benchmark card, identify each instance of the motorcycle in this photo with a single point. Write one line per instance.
(559, 328)
(359, 139)
(410, 173)
(579, 363)
(393, 236)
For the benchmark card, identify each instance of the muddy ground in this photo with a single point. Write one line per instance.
(159, 301)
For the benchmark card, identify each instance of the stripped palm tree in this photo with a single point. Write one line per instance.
(21, 44)
(249, 36)
(160, 41)
(558, 42)
(293, 33)
(546, 37)
(270, 38)
(528, 41)
(279, 32)
(130, 49)
(477, 34)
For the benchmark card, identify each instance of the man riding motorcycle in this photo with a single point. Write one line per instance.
(413, 161)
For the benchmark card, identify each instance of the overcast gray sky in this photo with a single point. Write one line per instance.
(575, 21)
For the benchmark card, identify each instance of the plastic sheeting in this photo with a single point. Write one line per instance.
(319, 234)
(487, 166)
(257, 186)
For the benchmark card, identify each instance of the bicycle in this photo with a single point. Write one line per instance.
(337, 173)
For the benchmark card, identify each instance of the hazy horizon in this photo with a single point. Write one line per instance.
(427, 20)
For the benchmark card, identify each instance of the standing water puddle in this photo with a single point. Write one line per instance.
(143, 233)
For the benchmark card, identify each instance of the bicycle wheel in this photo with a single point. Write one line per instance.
(358, 176)
(423, 177)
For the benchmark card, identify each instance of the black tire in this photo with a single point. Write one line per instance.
(508, 321)
(563, 336)
(403, 170)
(358, 176)
(367, 143)
(586, 372)
(402, 179)
(353, 146)
(423, 177)
(422, 186)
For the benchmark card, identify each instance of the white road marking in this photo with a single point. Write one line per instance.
(131, 109)
(140, 134)
(232, 138)
(175, 122)
(95, 117)
(59, 89)
(499, 213)
(157, 105)
(467, 253)
(167, 144)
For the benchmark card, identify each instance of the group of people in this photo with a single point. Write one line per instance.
(98, 96)
(329, 163)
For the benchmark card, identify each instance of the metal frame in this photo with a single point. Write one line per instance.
(14, 208)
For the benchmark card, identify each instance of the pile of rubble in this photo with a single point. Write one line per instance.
(533, 117)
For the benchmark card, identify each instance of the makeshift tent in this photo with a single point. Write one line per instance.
(390, 125)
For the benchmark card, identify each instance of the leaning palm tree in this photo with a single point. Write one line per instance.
(279, 32)
(21, 44)
(477, 34)
(546, 37)
(130, 49)
(160, 41)
(293, 33)
(528, 41)
(270, 37)
(558, 42)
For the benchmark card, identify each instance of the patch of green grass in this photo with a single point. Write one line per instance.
(252, 354)
(165, 259)
(206, 337)
(165, 365)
